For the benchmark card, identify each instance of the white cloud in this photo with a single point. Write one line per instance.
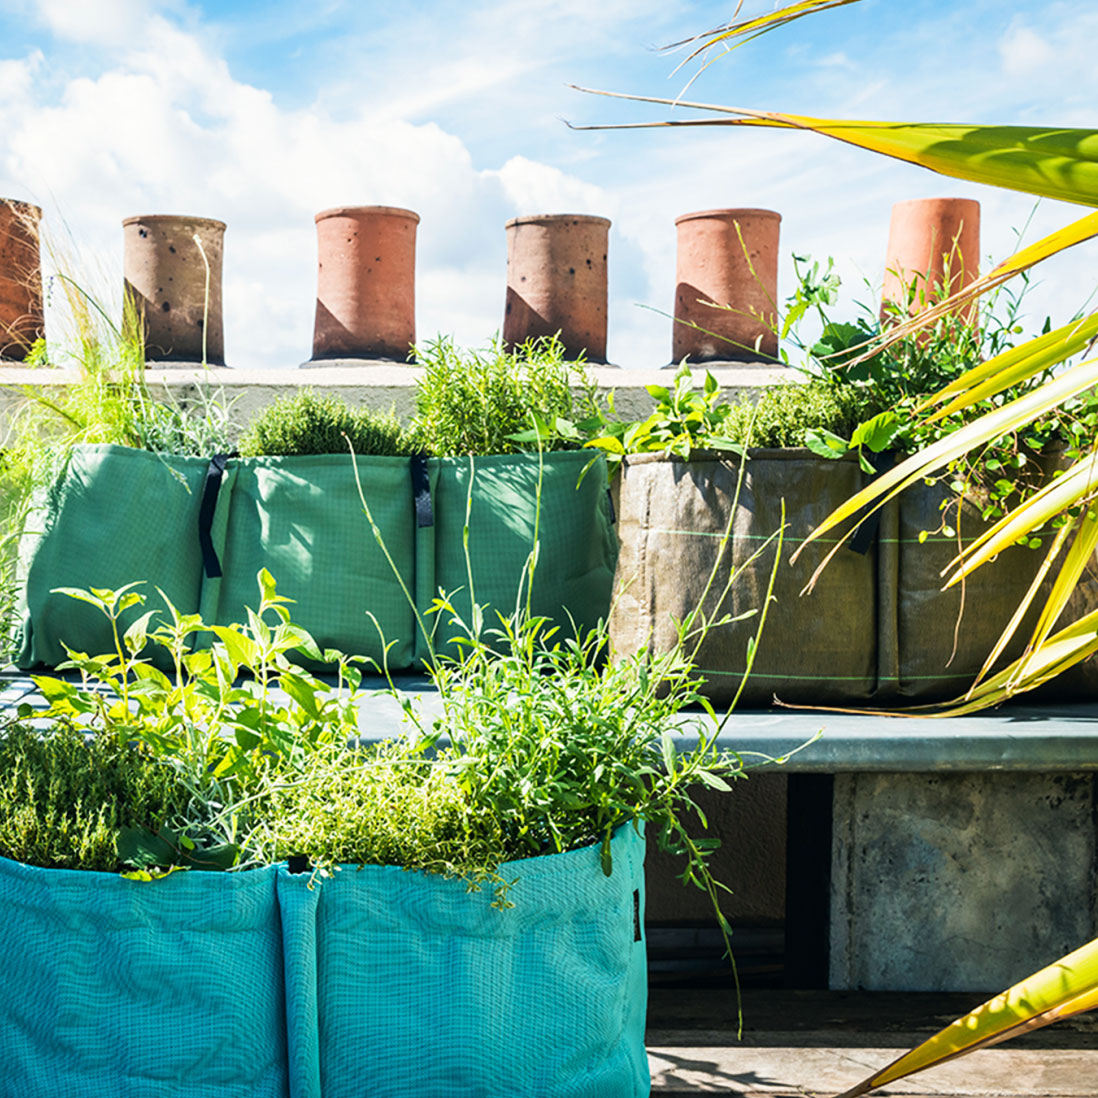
(145, 115)
(1024, 51)
(166, 128)
(100, 22)
(531, 187)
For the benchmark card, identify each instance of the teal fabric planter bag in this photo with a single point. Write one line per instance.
(577, 546)
(423, 988)
(141, 989)
(301, 519)
(115, 516)
(267, 984)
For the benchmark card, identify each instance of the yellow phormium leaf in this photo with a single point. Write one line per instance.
(1071, 645)
(1014, 366)
(1054, 161)
(752, 28)
(1070, 986)
(1022, 608)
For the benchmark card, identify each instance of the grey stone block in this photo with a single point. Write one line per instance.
(959, 882)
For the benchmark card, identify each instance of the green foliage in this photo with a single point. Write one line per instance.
(109, 401)
(543, 745)
(217, 720)
(309, 424)
(896, 380)
(66, 803)
(497, 401)
(384, 805)
(788, 415)
(686, 419)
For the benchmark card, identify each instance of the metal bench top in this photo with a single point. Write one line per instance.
(1018, 736)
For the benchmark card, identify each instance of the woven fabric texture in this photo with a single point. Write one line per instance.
(141, 990)
(674, 515)
(876, 629)
(301, 518)
(115, 516)
(425, 988)
(119, 515)
(577, 544)
(376, 981)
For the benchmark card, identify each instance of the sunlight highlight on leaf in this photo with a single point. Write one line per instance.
(1068, 987)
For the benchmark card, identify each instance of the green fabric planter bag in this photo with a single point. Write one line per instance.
(942, 638)
(119, 515)
(301, 518)
(578, 548)
(114, 516)
(141, 989)
(421, 987)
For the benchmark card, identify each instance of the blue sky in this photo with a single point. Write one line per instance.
(262, 113)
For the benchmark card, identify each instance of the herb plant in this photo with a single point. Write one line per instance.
(66, 801)
(893, 383)
(225, 740)
(499, 401)
(109, 401)
(309, 424)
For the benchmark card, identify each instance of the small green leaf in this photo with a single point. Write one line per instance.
(826, 443)
(712, 780)
(667, 749)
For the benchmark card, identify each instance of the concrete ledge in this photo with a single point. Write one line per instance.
(379, 385)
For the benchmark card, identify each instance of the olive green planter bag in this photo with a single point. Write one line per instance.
(513, 497)
(816, 649)
(939, 639)
(114, 516)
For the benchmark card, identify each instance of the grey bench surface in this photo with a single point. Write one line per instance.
(1016, 736)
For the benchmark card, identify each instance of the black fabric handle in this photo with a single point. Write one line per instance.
(421, 492)
(865, 533)
(214, 472)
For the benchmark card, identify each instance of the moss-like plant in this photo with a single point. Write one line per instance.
(65, 801)
(306, 423)
(783, 414)
(497, 401)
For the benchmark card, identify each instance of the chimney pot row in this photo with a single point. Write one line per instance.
(556, 279)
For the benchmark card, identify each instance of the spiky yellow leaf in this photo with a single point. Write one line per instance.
(1014, 366)
(1070, 986)
(993, 425)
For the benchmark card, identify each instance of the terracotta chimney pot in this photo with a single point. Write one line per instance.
(931, 242)
(726, 257)
(22, 316)
(557, 281)
(166, 279)
(366, 283)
